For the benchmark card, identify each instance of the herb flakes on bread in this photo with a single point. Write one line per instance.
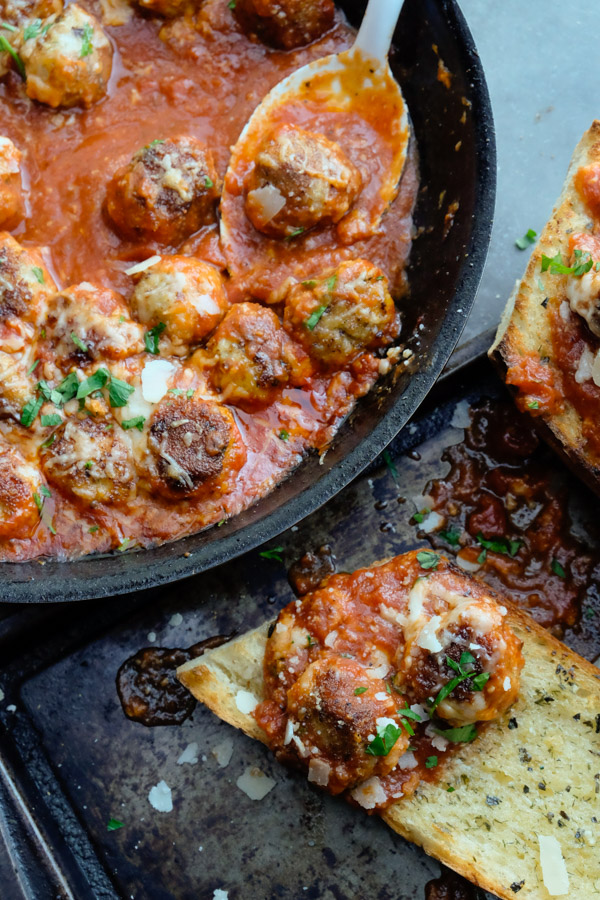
(548, 342)
(516, 810)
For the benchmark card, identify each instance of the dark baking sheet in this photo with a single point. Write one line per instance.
(70, 757)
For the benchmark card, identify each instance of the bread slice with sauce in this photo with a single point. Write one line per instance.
(526, 790)
(525, 328)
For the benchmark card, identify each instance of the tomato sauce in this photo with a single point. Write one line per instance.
(198, 76)
(503, 489)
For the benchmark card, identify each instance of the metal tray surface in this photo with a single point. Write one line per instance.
(455, 138)
(76, 761)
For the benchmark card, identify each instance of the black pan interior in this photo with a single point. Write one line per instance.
(455, 136)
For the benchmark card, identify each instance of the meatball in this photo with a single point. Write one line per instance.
(285, 23)
(183, 294)
(195, 446)
(25, 286)
(87, 322)
(68, 60)
(250, 356)
(91, 459)
(20, 12)
(337, 709)
(11, 196)
(166, 192)
(342, 313)
(167, 8)
(583, 291)
(20, 482)
(467, 627)
(299, 180)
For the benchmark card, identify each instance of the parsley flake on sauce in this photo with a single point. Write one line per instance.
(452, 536)
(431, 762)
(137, 422)
(79, 343)
(527, 239)
(119, 392)
(86, 41)
(315, 317)
(208, 182)
(583, 263)
(427, 559)
(39, 274)
(360, 690)
(295, 233)
(419, 516)
(33, 367)
(557, 568)
(4, 45)
(30, 411)
(533, 404)
(95, 382)
(284, 435)
(478, 682)
(51, 420)
(152, 337)
(273, 553)
(462, 735)
(500, 545)
(385, 740)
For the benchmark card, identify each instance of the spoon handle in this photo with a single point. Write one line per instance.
(377, 28)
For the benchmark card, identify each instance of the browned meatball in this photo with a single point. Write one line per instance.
(91, 459)
(21, 12)
(195, 447)
(167, 8)
(67, 59)
(88, 322)
(185, 295)
(299, 180)
(11, 194)
(165, 193)
(19, 481)
(25, 286)
(250, 357)
(336, 708)
(16, 384)
(344, 312)
(285, 23)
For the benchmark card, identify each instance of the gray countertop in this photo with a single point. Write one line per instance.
(542, 67)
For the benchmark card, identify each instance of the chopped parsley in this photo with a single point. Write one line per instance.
(478, 682)
(405, 714)
(427, 559)
(95, 382)
(137, 422)
(419, 516)
(39, 502)
(51, 420)
(294, 234)
(232, 4)
(63, 392)
(310, 641)
(32, 30)
(49, 442)
(119, 392)
(4, 45)
(331, 283)
(431, 762)
(79, 343)
(390, 464)
(93, 529)
(284, 435)
(30, 411)
(86, 41)
(273, 553)
(527, 239)
(315, 317)
(452, 536)
(499, 545)
(386, 738)
(533, 404)
(33, 367)
(152, 337)
(360, 690)
(557, 568)
(39, 274)
(462, 735)
(309, 284)
(208, 182)
(8, 27)
(583, 263)
(124, 544)
(114, 825)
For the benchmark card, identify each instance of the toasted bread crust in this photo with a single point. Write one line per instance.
(525, 329)
(486, 828)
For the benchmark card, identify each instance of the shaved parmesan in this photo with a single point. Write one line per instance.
(142, 266)
(219, 894)
(369, 793)
(507, 684)
(584, 366)
(466, 564)
(155, 379)
(427, 638)
(408, 761)
(223, 752)
(255, 783)
(330, 639)
(189, 755)
(266, 201)
(246, 702)
(596, 370)
(431, 522)
(554, 870)
(461, 418)
(160, 797)
(319, 772)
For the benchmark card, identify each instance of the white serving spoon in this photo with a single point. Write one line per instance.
(358, 82)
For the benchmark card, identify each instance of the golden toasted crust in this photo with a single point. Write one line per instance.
(524, 328)
(509, 786)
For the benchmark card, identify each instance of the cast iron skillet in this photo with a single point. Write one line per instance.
(444, 274)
